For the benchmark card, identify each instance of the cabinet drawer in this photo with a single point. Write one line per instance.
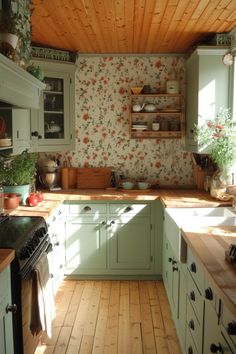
(194, 327)
(195, 271)
(87, 209)
(190, 345)
(195, 298)
(128, 209)
(229, 323)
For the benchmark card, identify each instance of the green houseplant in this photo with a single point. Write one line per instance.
(17, 173)
(218, 135)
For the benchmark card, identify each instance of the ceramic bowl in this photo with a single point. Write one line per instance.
(127, 185)
(143, 185)
(11, 200)
(136, 90)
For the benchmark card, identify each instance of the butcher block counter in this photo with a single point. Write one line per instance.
(6, 257)
(209, 245)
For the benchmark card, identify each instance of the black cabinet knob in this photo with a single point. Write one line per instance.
(129, 208)
(87, 208)
(192, 295)
(208, 294)
(216, 348)
(191, 324)
(231, 328)
(170, 259)
(190, 350)
(193, 267)
(11, 308)
(174, 268)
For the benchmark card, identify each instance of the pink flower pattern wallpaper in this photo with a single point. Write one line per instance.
(103, 86)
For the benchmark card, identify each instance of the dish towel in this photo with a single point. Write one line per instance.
(42, 303)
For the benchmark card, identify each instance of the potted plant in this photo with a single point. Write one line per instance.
(15, 30)
(218, 135)
(17, 173)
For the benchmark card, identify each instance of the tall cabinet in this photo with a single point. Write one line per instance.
(53, 125)
(207, 89)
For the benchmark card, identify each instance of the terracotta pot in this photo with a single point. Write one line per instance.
(11, 200)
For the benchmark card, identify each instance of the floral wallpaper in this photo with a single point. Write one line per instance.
(103, 86)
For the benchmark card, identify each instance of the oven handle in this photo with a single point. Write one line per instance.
(47, 248)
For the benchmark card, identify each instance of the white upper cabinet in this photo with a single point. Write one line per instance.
(207, 89)
(53, 125)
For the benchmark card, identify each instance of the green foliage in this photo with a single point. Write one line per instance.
(16, 170)
(220, 136)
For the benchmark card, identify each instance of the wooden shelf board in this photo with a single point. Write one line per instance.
(156, 135)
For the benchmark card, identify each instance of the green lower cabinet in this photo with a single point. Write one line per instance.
(6, 332)
(174, 277)
(214, 341)
(86, 246)
(130, 244)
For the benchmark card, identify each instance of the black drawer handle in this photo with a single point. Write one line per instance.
(209, 294)
(129, 208)
(216, 348)
(193, 267)
(231, 328)
(87, 208)
(190, 350)
(191, 324)
(11, 308)
(192, 295)
(175, 268)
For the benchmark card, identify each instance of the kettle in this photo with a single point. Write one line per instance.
(150, 107)
(52, 127)
(137, 107)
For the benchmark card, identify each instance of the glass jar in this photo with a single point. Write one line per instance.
(220, 180)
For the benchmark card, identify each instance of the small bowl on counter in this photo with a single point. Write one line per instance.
(143, 185)
(127, 185)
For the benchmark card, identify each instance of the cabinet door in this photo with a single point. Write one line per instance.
(21, 127)
(214, 342)
(85, 245)
(130, 243)
(207, 89)
(53, 123)
(6, 335)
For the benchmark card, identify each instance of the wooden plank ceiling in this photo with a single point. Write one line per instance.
(129, 26)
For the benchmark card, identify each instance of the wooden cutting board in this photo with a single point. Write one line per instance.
(93, 177)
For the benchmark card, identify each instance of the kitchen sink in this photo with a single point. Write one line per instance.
(211, 212)
(176, 219)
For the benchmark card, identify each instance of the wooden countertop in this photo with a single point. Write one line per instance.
(6, 257)
(209, 245)
(191, 198)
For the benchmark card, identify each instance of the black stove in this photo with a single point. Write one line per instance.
(27, 235)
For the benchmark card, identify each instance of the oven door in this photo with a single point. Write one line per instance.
(23, 288)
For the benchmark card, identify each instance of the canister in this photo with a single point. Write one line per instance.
(172, 86)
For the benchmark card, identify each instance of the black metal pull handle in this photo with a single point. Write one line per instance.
(216, 348)
(129, 208)
(208, 294)
(192, 295)
(87, 208)
(35, 133)
(193, 267)
(170, 259)
(11, 308)
(104, 223)
(57, 243)
(174, 268)
(190, 350)
(231, 328)
(191, 324)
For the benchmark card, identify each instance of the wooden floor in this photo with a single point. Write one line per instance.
(109, 317)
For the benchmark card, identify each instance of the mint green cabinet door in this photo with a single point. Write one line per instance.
(130, 243)
(6, 334)
(85, 245)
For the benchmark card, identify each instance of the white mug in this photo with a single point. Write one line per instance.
(155, 126)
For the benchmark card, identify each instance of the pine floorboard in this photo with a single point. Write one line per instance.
(111, 317)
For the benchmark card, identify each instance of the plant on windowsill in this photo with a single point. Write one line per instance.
(15, 24)
(219, 136)
(17, 173)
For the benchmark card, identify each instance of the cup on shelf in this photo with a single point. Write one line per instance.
(155, 126)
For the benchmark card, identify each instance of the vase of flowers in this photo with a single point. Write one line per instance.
(218, 136)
